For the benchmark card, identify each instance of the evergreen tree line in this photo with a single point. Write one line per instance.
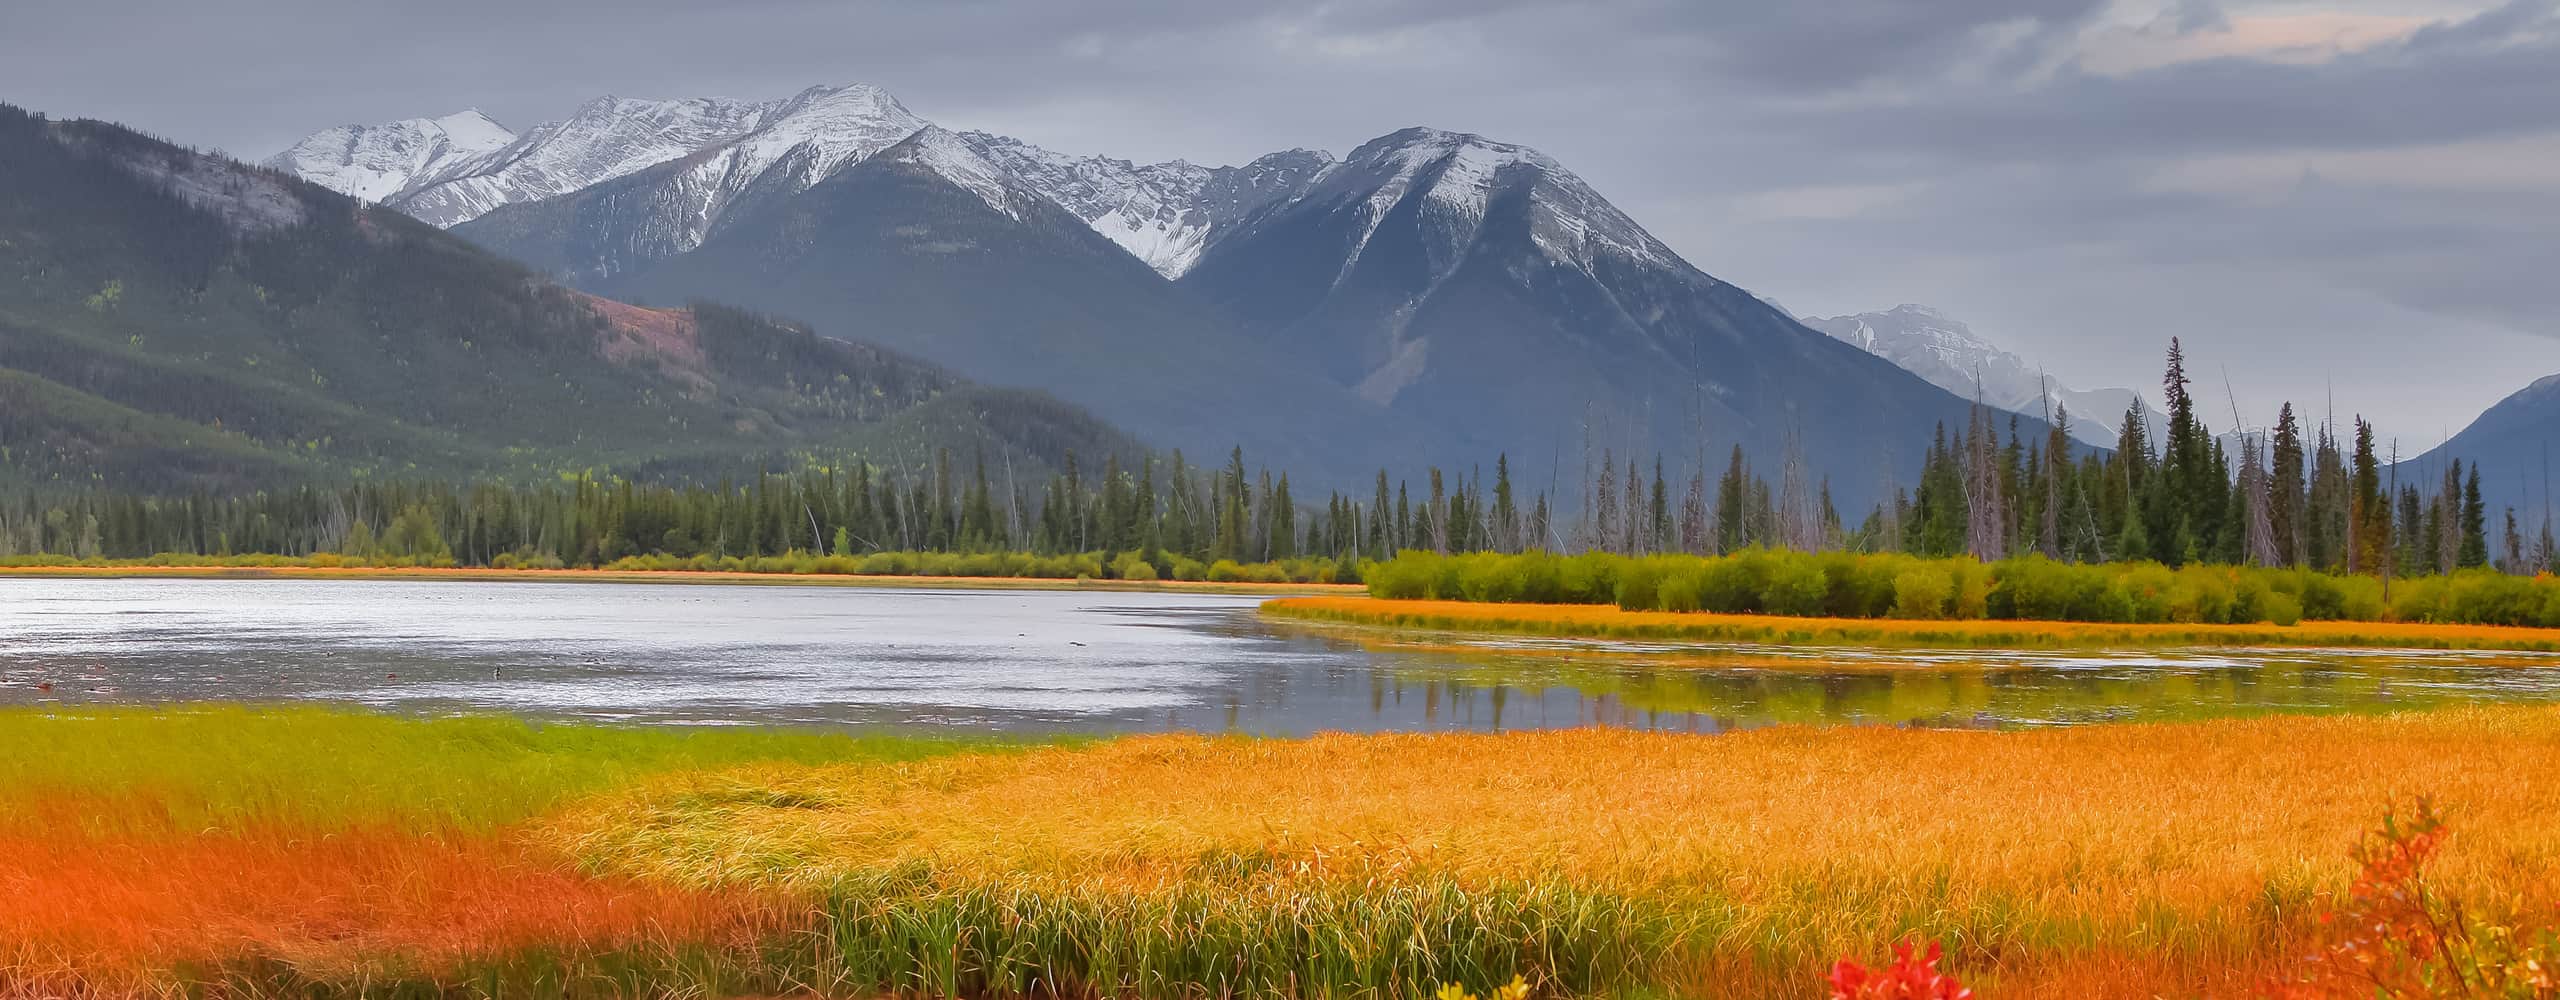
(2320, 503)
(2286, 499)
(1169, 508)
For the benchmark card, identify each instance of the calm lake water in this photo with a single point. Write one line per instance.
(1049, 661)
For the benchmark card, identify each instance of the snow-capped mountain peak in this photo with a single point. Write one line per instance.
(832, 126)
(374, 162)
(1458, 176)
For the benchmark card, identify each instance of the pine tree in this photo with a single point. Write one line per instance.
(1658, 525)
(1733, 503)
(2475, 526)
(2368, 511)
(1506, 513)
(2284, 495)
(1284, 522)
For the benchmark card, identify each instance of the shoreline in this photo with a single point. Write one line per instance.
(1593, 621)
(694, 577)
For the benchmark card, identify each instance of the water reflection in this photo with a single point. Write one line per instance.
(1085, 662)
(1710, 688)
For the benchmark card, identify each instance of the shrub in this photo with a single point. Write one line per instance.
(1922, 591)
(1795, 587)
(1130, 567)
(2395, 934)
(1839, 584)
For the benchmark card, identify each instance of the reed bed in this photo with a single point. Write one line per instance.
(1604, 622)
(2180, 856)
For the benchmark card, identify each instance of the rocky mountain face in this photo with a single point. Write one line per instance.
(1943, 350)
(1433, 296)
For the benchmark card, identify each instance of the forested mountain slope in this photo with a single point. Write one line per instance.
(175, 320)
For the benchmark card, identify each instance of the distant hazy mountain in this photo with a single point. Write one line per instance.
(183, 321)
(2514, 443)
(1937, 347)
(1434, 296)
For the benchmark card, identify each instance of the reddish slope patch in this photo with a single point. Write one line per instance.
(669, 337)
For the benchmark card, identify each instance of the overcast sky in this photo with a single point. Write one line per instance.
(2358, 194)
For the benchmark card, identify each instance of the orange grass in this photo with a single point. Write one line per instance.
(114, 914)
(287, 572)
(2125, 860)
(338, 898)
(1598, 621)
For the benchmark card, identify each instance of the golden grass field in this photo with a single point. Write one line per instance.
(490, 857)
(1603, 622)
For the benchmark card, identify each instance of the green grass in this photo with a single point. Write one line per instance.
(222, 767)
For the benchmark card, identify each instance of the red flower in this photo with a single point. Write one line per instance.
(1910, 977)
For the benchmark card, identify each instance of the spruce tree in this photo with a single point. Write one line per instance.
(2285, 499)
(2475, 523)
(2368, 510)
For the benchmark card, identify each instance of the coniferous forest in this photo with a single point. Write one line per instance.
(2300, 495)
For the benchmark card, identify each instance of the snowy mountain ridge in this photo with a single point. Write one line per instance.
(452, 170)
(1165, 214)
(376, 162)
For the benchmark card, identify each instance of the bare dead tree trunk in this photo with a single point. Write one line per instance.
(1799, 522)
(1986, 536)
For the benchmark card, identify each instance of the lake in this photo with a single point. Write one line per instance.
(1084, 661)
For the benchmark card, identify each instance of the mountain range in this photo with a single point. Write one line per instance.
(1433, 296)
(178, 321)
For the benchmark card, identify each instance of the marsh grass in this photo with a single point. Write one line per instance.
(200, 768)
(231, 851)
(346, 858)
(1594, 860)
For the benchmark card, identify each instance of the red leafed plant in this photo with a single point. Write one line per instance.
(2394, 936)
(1913, 975)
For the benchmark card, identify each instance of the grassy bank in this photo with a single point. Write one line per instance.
(318, 853)
(276, 567)
(1602, 622)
